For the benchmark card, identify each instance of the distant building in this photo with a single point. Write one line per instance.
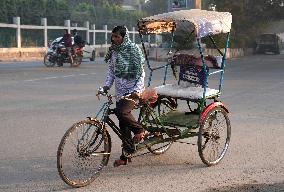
(128, 8)
(127, 5)
(175, 5)
(130, 5)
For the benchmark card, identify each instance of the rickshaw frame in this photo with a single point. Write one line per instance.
(92, 139)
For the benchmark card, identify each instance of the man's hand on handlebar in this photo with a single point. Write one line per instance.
(105, 89)
(102, 91)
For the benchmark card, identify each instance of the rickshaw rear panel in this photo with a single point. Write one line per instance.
(192, 74)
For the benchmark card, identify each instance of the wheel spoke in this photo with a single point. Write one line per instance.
(99, 153)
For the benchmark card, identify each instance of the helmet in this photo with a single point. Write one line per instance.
(74, 31)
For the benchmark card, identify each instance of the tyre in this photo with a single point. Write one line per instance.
(214, 136)
(82, 153)
(49, 60)
(162, 107)
(160, 148)
(93, 56)
(77, 60)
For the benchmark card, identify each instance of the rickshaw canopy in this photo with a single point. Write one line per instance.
(203, 22)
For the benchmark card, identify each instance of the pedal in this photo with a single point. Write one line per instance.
(148, 142)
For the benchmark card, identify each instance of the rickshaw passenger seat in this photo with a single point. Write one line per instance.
(191, 78)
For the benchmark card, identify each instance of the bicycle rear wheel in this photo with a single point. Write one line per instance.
(162, 108)
(77, 60)
(161, 147)
(214, 136)
(82, 153)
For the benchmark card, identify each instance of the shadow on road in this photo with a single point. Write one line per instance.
(40, 174)
(25, 174)
(276, 187)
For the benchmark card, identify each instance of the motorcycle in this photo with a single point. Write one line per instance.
(57, 53)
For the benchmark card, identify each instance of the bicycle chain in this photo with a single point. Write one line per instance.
(161, 147)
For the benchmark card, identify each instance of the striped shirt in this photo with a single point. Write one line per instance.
(123, 86)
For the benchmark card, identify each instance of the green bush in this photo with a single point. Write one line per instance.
(56, 11)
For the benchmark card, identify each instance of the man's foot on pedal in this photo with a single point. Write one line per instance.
(139, 137)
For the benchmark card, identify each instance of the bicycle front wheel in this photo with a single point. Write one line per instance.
(49, 60)
(82, 153)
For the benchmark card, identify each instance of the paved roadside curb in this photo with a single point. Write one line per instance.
(22, 54)
(155, 54)
(21, 59)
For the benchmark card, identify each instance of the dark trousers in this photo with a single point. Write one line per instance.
(127, 122)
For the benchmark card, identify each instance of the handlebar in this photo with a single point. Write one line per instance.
(103, 93)
(109, 96)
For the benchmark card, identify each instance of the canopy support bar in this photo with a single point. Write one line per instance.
(205, 71)
(224, 62)
(144, 50)
(215, 45)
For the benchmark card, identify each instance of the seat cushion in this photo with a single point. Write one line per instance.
(190, 92)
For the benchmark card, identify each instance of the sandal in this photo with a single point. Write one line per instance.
(119, 162)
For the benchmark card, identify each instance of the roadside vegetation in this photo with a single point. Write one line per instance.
(250, 18)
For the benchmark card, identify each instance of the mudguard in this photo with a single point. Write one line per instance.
(210, 107)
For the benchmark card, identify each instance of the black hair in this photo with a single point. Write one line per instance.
(119, 29)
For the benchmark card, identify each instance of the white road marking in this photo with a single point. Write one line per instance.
(50, 78)
(30, 80)
(68, 76)
(57, 77)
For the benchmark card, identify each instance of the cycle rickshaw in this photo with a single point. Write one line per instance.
(86, 146)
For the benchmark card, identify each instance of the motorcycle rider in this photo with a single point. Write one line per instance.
(67, 39)
(78, 41)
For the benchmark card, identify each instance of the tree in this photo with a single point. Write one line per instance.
(153, 7)
(56, 11)
(108, 2)
(250, 17)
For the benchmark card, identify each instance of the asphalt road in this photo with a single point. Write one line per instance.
(38, 104)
